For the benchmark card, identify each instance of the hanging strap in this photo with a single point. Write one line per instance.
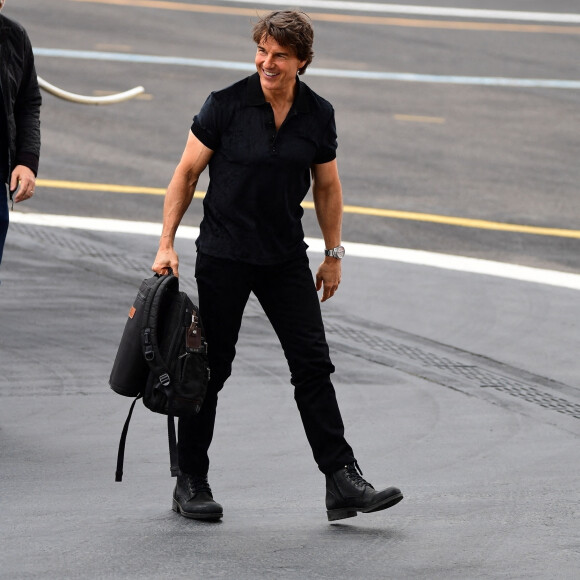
(121, 453)
(173, 455)
(171, 436)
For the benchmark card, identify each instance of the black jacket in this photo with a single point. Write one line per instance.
(22, 98)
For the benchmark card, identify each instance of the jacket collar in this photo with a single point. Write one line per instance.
(255, 96)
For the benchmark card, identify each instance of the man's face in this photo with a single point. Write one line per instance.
(277, 65)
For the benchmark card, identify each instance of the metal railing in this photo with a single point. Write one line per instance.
(88, 100)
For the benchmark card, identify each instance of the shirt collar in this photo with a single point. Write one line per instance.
(255, 96)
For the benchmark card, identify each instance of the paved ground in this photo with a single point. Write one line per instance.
(462, 389)
(501, 154)
(484, 446)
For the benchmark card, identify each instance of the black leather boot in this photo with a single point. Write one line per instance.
(348, 493)
(192, 498)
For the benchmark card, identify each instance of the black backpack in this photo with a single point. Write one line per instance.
(162, 358)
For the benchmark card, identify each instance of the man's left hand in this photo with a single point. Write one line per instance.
(22, 181)
(328, 277)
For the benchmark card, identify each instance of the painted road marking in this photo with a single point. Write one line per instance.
(564, 18)
(445, 24)
(419, 119)
(425, 10)
(351, 18)
(324, 72)
(416, 257)
(106, 187)
(349, 209)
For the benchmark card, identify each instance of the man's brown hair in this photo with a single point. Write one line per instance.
(289, 28)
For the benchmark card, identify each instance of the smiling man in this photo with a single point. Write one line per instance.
(264, 139)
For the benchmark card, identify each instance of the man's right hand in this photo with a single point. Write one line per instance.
(164, 260)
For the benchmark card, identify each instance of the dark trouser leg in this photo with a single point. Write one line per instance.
(3, 215)
(288, 296)
(223, 289)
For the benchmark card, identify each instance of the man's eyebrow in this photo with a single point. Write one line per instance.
(278, 52)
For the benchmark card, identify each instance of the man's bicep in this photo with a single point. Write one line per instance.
(195, 156)
(325, 176)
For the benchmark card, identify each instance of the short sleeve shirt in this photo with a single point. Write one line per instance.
(260, 176)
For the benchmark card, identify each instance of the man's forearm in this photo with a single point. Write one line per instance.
(329, 213)
(177, 199)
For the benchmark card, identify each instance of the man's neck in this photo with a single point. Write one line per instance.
(279, 99)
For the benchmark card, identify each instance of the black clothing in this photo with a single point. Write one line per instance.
(19, 110)
(3, 140)
(21, 96)
(4, 217)
(251, 240)
(288, 296)
(259, 176)
(192, 498)
(348, 493)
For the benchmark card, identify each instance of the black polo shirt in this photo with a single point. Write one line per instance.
(259, 176)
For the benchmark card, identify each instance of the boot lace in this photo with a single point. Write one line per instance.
(198, 484)
(354, 473)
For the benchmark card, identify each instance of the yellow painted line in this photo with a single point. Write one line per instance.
(106, 187)
(348, 18)
(351, 209)
(418, 119)
(462, 222)
(179, 7)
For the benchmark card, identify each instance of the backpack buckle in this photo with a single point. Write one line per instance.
(164, 379)
(148, 351)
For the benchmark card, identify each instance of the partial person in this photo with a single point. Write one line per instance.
(20, 102)
(264, 139)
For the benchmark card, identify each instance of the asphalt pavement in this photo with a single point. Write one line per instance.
(459, 388)
(452, 387)
(470, 151)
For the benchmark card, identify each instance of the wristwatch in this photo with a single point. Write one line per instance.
(337, 252)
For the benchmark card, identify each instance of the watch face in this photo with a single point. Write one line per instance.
(339, 252)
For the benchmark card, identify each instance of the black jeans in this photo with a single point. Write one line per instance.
(4, 217)
(288, 296)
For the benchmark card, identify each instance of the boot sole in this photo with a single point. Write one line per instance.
(193, 515)
(351, 512)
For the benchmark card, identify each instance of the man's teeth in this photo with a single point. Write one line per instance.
(269, 74)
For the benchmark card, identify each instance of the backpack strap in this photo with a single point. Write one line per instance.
(173, 455)
(157, 365)
(150, 342)
(171, 435)
(121, 452)
(154, 359)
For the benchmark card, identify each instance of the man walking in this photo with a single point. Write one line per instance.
(263, 139)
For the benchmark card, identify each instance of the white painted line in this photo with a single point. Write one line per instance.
(416, 257)
(90, 224)
(143, 58)
(324, 72)
(424, 10)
